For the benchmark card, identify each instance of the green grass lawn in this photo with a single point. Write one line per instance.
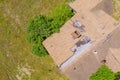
(116, 13)
(16, 59)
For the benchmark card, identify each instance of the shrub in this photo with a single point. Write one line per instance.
(37, 31)
(103, 73)
(60, 15)
(42, 27)
(117, 76)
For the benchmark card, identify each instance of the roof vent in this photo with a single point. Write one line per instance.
(77, 24)
(86, 39)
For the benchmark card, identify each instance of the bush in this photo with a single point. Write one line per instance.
(103, 73)
(117, 76)
(42, 27)
(60, 15)
(37, 31)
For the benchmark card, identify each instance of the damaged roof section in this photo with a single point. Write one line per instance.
(94, 25)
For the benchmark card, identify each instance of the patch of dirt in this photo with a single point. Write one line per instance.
(13, 16)
(24, 72)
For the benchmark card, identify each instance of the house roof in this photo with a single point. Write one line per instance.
(83, 67)
(98, 24)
